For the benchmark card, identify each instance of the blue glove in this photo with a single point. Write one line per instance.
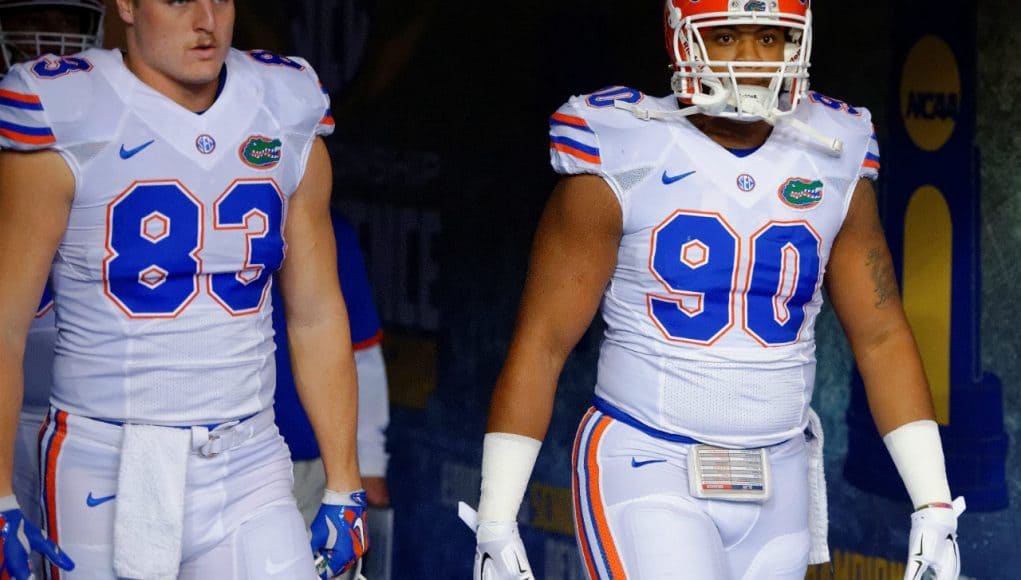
(19, 538)
(339, 534)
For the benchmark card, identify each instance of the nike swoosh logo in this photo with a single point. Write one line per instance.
(668, 179)
(359, 529)
(636, 463)
(129, 153)
(94, 501)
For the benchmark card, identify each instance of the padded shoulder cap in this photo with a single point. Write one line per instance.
(853, 125)
(42, 100)
(294, 92)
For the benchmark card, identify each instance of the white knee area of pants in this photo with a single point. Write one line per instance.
(658, 535)
(273, 544)
(782, 558)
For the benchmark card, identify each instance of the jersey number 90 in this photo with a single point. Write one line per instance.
(154, 243)
(697, 258)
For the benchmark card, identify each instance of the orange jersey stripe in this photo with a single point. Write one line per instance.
(56, 442)
(570, 120)
(328, 120)
(20, 97)
(870, 164)
(596, 501)
(579, 521)
(28, 139)
(369, 342)
(579, 154)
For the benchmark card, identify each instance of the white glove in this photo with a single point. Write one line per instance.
(499, 553)
(932, 544)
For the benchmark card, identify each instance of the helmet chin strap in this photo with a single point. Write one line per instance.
(752, 103)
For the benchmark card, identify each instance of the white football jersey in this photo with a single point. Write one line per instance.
(38, 362)
(162, 278)
(710, 311)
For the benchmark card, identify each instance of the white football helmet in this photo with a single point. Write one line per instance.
(29, 28)
(719, 92)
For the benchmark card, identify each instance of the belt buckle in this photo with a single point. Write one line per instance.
(213, 442)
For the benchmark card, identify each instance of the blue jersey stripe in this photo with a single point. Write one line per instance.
(871, 157)
(576, 144)
(8, 102)
(33, 131)
(594, 422)
(554, 122)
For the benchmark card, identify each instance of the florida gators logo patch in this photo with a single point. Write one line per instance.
(260, 152)
(755, 6)
(801, 193)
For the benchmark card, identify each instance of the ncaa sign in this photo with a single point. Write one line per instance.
(930, 93)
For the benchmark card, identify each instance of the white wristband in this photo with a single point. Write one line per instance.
(8, 503)
(331, 497)
(918, 454)
(507, 461)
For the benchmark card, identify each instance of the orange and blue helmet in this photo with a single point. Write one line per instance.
(716, 87)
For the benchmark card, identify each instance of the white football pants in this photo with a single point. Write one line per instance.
(240, 521)
(636, 520)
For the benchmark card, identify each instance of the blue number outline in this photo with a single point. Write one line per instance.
(195, 254)
(46, 302)
(47, 69)
(270, 58)
(112, 254)
(835, 104)
(753, 239)
(605, 97)
(676, 296)
(248, 266)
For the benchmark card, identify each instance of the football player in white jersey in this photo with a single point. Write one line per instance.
(701, 225)
(160, 185)
(29, 28)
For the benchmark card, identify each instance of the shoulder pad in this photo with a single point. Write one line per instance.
(41, 100)
(293, 91)
(578, 125)
(853, 125)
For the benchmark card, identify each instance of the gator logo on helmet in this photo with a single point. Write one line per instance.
(801, 193)
(260, 152)
(755, 6)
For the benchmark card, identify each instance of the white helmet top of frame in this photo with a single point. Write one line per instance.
(29, 28)
(715, 87)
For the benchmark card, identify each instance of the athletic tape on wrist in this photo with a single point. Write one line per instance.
(331, 497)
(8, 503)
(507, 462)
(918, 454)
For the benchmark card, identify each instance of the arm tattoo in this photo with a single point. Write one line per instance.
(883, 276)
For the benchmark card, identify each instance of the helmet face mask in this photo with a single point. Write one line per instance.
(29, 28)
(739, 89)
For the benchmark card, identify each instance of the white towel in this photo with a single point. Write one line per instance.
(149, 521)
(818, 517)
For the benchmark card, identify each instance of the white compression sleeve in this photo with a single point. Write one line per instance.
(507, 462)
(918, 454)
(373, 411)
